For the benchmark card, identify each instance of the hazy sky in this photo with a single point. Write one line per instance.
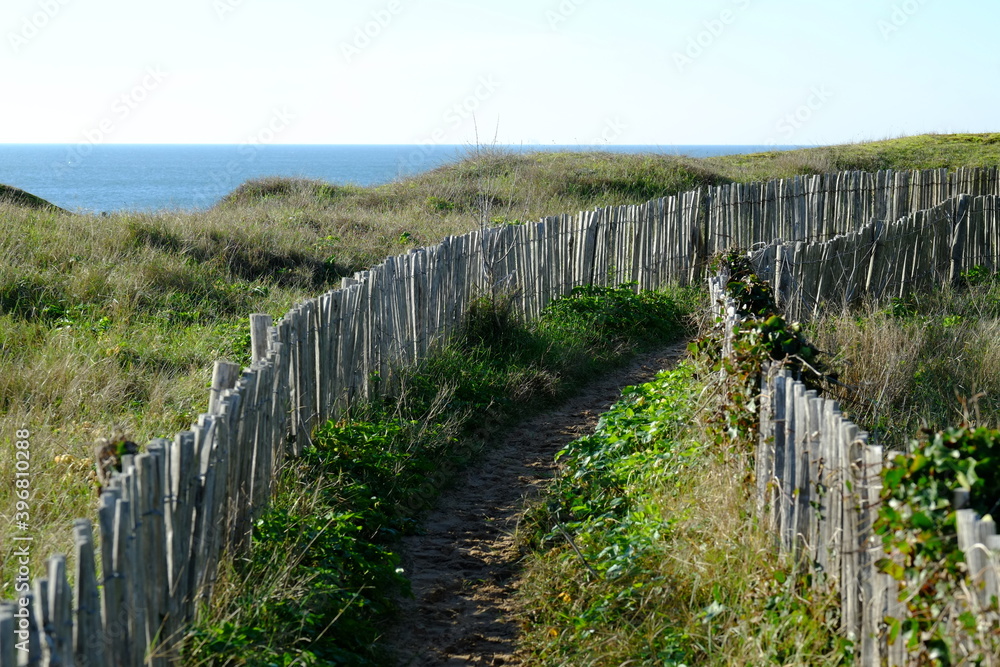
(523, 71)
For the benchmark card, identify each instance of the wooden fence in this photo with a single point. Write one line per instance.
(881, 259)
(818, 486)
(817, 208)
(818, 480)
(164, 522)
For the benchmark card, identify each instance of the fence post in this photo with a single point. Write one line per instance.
(88, 635)
(7, 637)
(224, 376)
(259, 325)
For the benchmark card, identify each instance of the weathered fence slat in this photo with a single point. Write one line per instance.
(88, 631)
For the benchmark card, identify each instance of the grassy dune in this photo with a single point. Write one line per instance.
(116, 321)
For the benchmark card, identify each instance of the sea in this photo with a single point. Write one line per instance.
(96, 178)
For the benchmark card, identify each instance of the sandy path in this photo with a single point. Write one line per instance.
(464, 565)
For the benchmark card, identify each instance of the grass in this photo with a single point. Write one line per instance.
(929, 361)
(18, 197)
(323, 575)
(116, 321)
(926, 151)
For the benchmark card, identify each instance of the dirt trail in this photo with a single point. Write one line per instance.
(464, 565)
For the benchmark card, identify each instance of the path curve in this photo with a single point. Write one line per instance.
(464, 564)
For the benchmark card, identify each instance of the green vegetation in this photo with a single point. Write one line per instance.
(917, 513)
(762, 336)
(918, 521)
(117, 320)
(926, 151)
(323, 573)
(645, 552)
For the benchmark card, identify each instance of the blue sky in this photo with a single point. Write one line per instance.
(518, 71)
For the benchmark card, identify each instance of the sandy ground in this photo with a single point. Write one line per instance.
(464, 564)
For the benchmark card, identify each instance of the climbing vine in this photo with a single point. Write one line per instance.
(758, 334)
(917, 524)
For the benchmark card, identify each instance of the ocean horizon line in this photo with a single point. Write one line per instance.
(155, 177)
(424, 145)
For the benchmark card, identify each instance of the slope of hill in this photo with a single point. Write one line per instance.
(18, 197)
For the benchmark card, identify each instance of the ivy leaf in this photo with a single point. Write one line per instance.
(893, 477)
(921, 521)
(892, 568)
(894, 626)
(918, 463)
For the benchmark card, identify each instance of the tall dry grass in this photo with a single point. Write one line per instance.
(929, 361)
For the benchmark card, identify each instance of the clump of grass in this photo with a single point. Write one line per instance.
(927, 361)
(18, 197)
(324, 568)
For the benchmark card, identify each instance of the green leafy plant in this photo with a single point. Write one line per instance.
(978, 275)
(619, 311)
(916, 522)
(759, 335)
(600, 517)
